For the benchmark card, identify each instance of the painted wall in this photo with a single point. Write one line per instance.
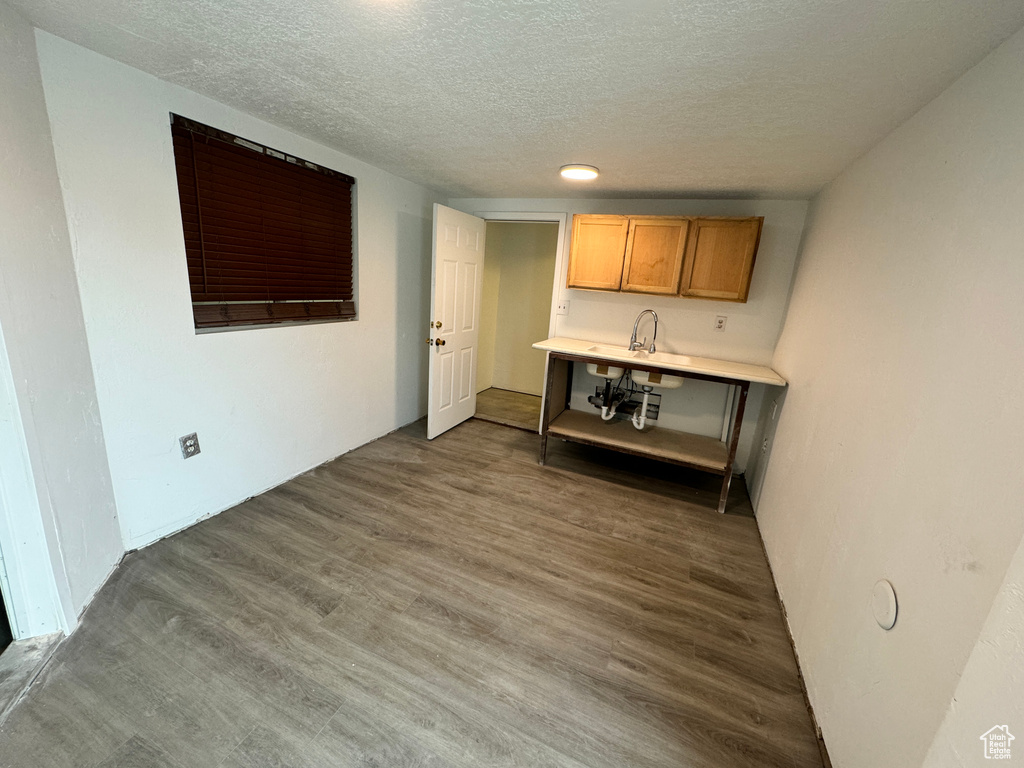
(516, 306)
(267, 403)
(489, 298)
(686, 325)
(989, 691)
(58, 505)
(897, 453)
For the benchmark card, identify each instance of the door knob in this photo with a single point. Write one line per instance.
(439, 342)
(438, 323)
(429, 342)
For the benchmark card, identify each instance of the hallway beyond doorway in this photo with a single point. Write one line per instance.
(510, 409)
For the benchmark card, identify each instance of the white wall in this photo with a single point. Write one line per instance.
(516, 305)
(686, 325)
(489, 297)
(898, 451)
(59, 529)
(267, 403)
(991, 689)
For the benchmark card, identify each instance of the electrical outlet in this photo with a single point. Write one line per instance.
(563, 308)
(764, 447)
(189, 445)
(720, 322)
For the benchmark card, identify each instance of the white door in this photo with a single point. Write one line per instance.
(456, 281)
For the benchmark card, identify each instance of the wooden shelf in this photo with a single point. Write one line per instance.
(708, 454)
(705, 453)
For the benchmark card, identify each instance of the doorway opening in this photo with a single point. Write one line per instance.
(6, 636)
(515, 312)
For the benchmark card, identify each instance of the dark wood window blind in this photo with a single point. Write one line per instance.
(268, 237)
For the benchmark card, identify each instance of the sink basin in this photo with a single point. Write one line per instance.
(605, 371)
(640, 354)
(656, 380)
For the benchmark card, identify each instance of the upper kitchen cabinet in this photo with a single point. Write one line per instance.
(720, 258)
(706, 258)
(654, 254)
(597, 251)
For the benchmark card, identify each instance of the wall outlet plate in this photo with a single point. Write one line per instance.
(562, 308)
(720, 322)
(189, 445)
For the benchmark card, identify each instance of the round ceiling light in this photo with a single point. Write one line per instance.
(578, 172)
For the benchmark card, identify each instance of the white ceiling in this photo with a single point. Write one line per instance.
(487, 98)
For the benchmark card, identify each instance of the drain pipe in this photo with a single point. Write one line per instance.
(640, 421)
(608, 413)
(611, 402)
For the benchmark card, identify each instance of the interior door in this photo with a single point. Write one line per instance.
(456, 281)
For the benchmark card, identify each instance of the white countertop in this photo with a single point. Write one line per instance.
(725, 369)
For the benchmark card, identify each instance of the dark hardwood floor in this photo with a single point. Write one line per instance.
(444, 603)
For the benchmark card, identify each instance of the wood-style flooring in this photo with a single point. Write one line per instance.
(511, 409)
(20, 662)
(444, 603)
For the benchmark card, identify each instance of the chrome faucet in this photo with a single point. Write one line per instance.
(633, 343)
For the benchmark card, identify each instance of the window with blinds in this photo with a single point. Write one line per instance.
(268, 237)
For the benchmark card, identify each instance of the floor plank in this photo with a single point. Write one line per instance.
(436, 603)
(20, 662)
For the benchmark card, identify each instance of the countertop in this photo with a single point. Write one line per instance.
(725, 369)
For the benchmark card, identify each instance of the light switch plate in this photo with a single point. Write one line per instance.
(563, 307)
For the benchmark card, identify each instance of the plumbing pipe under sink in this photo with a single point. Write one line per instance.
(611, 401)
(641, 421)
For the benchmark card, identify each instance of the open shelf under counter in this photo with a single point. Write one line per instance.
(707, 454)
(696, 451)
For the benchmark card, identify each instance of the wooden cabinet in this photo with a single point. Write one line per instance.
(709, 258)
(720, 258)
(654, 255)
(598, 247)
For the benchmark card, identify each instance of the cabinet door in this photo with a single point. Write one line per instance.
(720, 258)
(654, 255)
(598, 247)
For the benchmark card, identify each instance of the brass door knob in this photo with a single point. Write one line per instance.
(439, 342)
(429, 342)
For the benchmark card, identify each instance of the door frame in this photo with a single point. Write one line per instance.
(35, 589)
(527, 217)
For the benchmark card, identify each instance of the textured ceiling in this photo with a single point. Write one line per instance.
(487, 98)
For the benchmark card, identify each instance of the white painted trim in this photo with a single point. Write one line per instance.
(562, 220)
(35, 604)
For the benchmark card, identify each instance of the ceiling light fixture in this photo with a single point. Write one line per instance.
(578, 172)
